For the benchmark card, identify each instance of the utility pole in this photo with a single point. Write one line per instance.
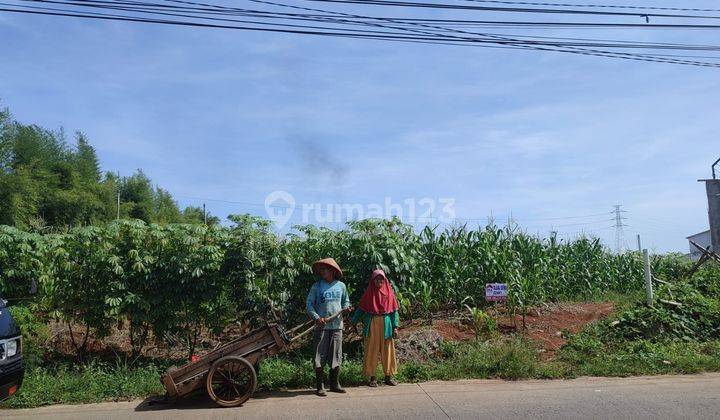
(648, 278)
(118, 206)
(712, 188)
(639, 244)
(204, 214)
(619, 232)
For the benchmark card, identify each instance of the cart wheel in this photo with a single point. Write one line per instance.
(231, 381)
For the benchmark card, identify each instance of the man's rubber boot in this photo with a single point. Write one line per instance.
(335, 381)
(319, 387)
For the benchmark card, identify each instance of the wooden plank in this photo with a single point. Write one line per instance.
(707, 253)
(187, 387)
(278, 340)
(169, 385)
(670, 302)
(696, 266)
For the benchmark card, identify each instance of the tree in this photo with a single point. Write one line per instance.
(165, 208)
(5, 149)
(196, 215)
(136, 196)
(86, 160)
(19, 198)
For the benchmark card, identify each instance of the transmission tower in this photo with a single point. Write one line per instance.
(619, 232)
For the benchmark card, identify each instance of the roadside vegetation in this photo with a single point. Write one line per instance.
(181, 281)
(106, 298)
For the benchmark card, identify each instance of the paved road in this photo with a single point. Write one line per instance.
(671, 397)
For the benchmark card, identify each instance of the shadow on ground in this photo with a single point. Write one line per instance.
(201, 400)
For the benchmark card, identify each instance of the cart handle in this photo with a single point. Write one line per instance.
(307, 331)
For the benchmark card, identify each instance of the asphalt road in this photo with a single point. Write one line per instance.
(658, 397)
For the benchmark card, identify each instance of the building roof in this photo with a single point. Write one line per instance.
(698, 234)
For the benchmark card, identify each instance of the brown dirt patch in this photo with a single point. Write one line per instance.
(548, 326)
(454, 330)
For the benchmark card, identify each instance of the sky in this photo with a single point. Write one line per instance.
(552, 141)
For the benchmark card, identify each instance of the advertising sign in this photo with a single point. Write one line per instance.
(496, 292)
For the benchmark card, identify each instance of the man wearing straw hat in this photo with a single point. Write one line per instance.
(327, 296)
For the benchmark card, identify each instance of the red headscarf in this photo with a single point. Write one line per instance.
(379, 300)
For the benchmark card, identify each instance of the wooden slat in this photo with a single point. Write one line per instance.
(278, 340)
(185, 388)
(706, 252)
(169, 385)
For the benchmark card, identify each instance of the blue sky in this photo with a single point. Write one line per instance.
(227, 117)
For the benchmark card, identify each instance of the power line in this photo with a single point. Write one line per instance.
(401, 31)
(340, 34)
(331, 207)
(604, 6)
(505, 40)
(393, 3)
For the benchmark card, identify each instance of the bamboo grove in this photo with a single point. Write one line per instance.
(160, 281)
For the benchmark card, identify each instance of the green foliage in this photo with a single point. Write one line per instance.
(707, 280)
(44, 182)
(678, 334)
(643, 357)
(25, 260)
(35, 333)
(173, 280)
(483, 324)
(512, 359)
(191, 282)
(296, 373)
(680, 312)
(80, 289)
(85, 384)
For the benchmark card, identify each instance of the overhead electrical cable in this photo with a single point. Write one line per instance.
(601, 6)
(510, 41)
(414, 4)
(333, 23)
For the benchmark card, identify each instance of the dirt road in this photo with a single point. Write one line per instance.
(694, 397)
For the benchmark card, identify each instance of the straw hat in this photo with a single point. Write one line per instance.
(330, 262)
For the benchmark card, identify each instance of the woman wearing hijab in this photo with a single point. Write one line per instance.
(379, 312)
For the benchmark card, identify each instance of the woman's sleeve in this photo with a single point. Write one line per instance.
(356, 316)
(395, 319)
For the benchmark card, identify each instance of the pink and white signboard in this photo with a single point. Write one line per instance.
(496, 292)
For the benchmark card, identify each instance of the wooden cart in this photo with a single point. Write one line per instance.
(228, 372)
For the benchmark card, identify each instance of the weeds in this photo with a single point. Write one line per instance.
(85, 384)
(483, 324)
